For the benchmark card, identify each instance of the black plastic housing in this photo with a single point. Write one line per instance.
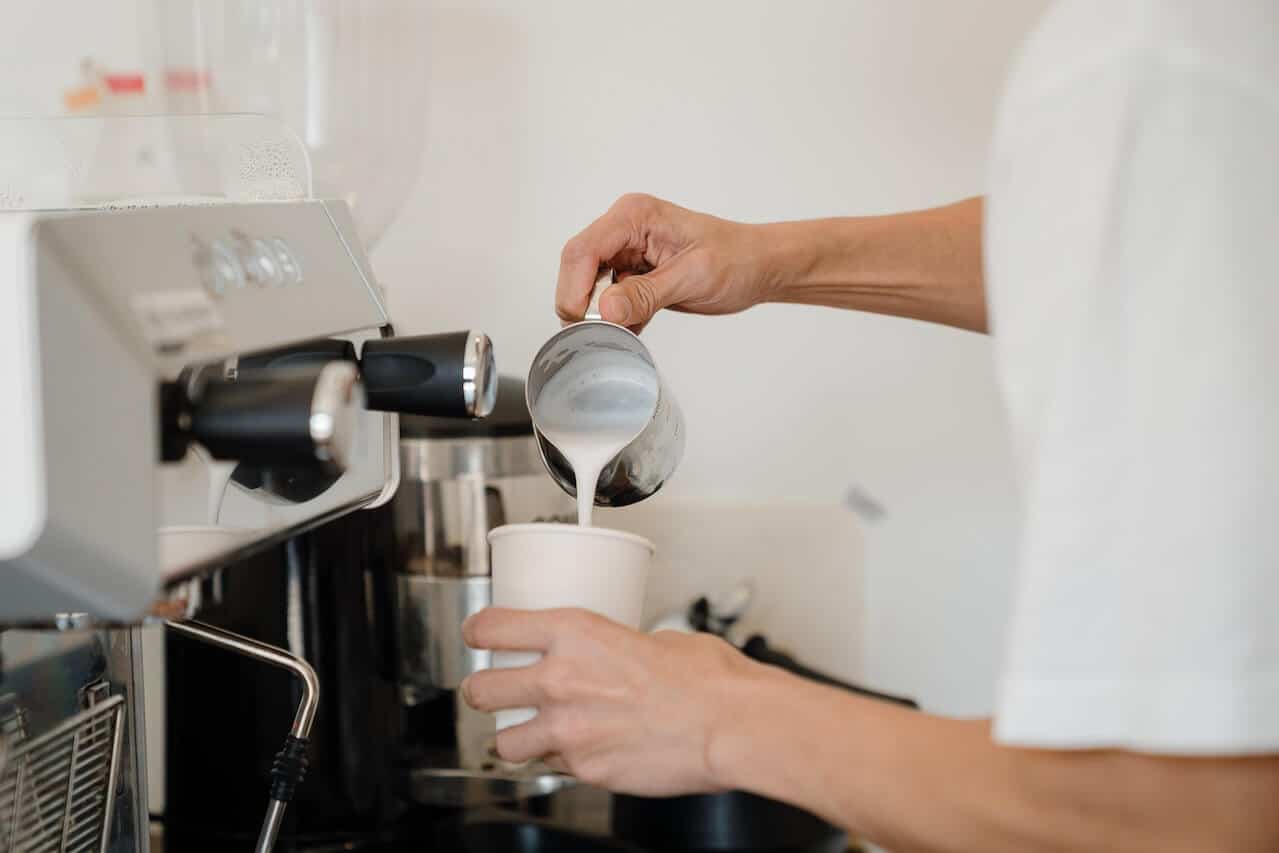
(257, 418)
(416, 375)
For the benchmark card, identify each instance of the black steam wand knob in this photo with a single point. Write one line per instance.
(285, 416)
(448, 375)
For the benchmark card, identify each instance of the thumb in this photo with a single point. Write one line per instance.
(635, 299)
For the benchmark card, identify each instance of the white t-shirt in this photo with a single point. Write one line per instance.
(1132, 241)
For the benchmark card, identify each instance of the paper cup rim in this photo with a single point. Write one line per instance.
(572, 529)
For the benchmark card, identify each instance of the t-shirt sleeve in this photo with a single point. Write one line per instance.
(1148, 612)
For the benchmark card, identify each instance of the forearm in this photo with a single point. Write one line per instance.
(925, 265)
(914, 782)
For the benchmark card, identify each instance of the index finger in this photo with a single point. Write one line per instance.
(510, 630)
(582, 256)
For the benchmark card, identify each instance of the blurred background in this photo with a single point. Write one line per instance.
(856, 467)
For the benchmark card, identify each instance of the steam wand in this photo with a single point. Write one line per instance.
(290, 763)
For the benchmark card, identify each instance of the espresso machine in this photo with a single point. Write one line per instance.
(193, 388)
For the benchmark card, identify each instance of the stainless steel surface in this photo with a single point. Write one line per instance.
(270, 827)
(429, 619)
(479, 375)
(455, 490)
(125, 673)
(336, 407)
(57, 789)
(302, 720)
(605, 277)
(644, 465)
(459, 788)
(436, 459)
(105, 305)
(52, 682)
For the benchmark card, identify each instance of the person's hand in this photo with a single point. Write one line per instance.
(665, 257)
(627, 711)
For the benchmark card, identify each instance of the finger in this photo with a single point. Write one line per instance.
(496, 689)
(629, 262)
(526, 741)
(556, 762)
(582, 256)
(635, 299)
(510, 630)
(617, 239)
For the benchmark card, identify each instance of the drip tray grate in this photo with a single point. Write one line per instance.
(54, 789)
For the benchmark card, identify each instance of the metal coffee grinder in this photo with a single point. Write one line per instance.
(459, 480)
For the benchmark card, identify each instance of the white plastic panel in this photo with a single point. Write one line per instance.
(22, 489)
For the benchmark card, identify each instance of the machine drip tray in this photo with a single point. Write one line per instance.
(461, 788)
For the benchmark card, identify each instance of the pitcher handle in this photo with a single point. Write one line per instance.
(603, 279)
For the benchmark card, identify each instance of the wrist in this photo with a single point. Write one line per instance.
(743, 719)
(794, 255)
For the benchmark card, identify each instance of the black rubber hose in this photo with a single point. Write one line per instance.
(288, 769)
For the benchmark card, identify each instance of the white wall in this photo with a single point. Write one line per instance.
(542, 113)
(43, 41)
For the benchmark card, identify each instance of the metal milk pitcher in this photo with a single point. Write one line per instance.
(641, 467)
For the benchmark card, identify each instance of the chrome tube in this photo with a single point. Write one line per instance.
(302, 720)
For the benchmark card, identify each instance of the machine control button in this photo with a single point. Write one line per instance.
(219, 268)
(264, 262)
(286, 261)
(257, 260)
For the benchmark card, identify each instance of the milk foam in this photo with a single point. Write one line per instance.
(591, 409)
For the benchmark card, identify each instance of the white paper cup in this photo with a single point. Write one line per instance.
(544, 566)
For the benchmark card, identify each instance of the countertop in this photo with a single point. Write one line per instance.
(577, 818)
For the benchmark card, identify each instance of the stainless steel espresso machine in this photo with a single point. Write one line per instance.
(193, 387)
